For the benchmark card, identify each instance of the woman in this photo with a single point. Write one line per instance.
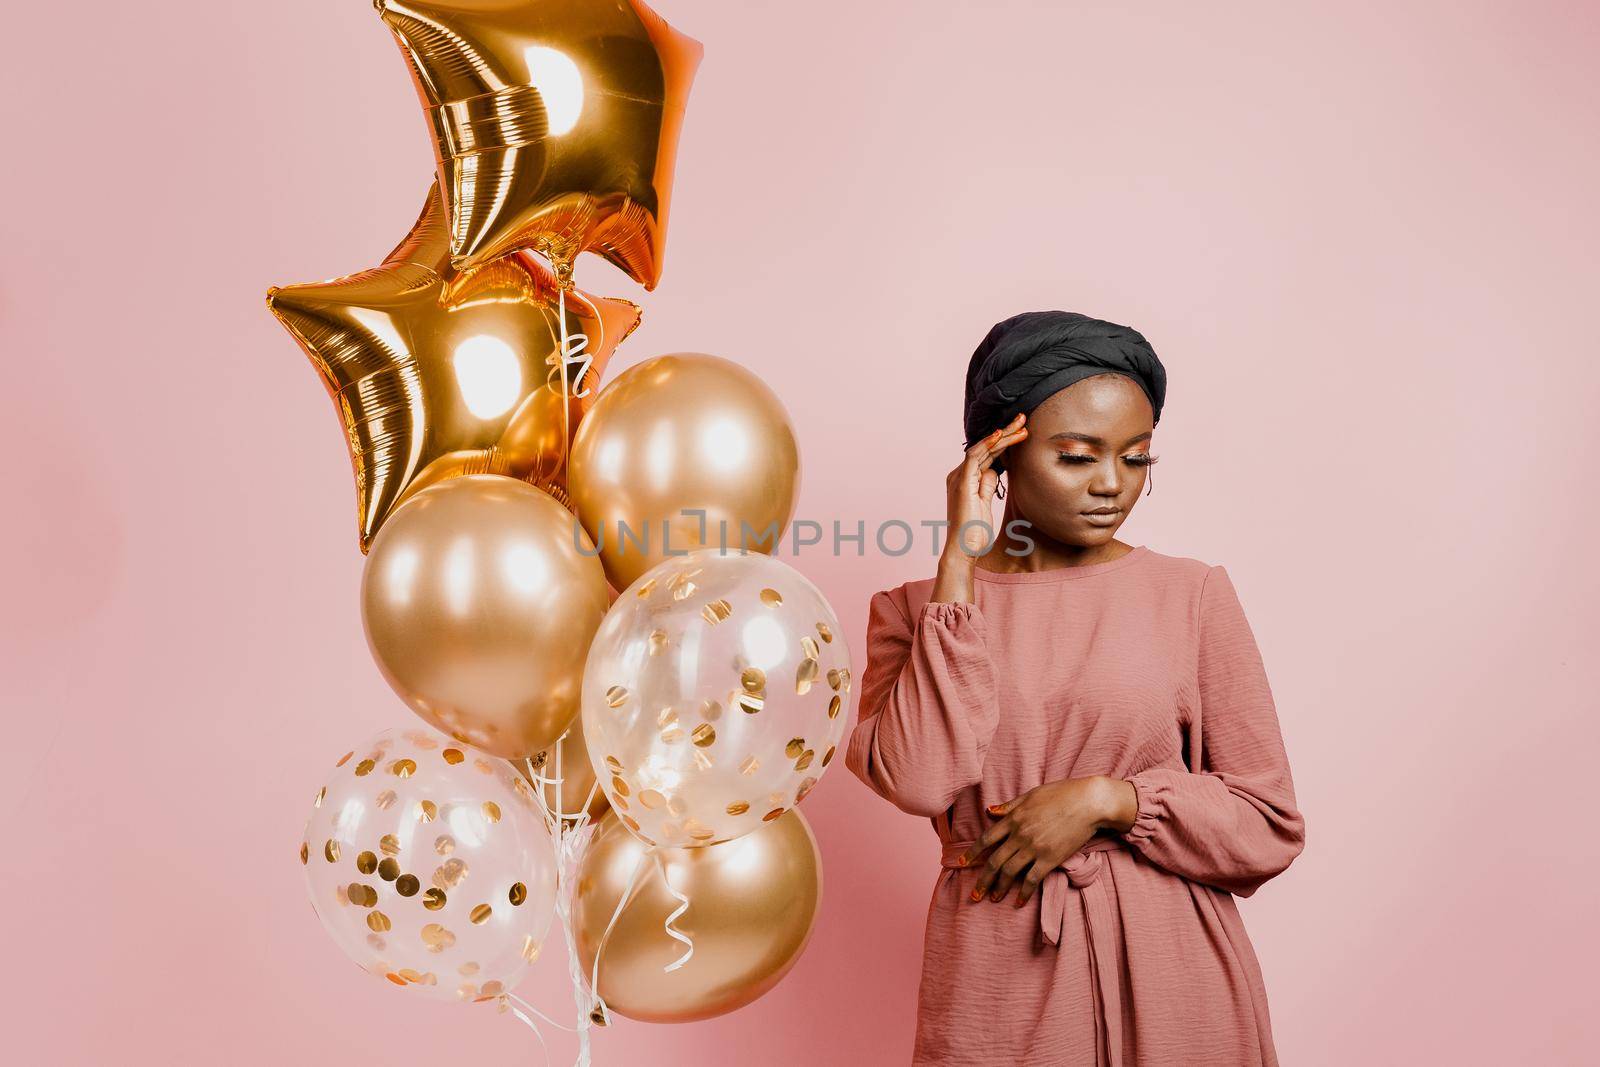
(1089, 727)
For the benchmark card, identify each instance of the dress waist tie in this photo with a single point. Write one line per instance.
(1081, 871)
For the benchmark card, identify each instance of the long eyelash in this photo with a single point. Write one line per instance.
(1139, 459)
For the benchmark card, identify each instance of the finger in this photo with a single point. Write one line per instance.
(1020, 861)
(1003, 809)
(986, 447)
(1030, 882)
(993, 835)
(991, 869)
(1043, 864)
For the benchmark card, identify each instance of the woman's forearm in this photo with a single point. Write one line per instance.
(1119, 804)
(953, 582)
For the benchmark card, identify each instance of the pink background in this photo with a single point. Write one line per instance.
(1363, 239)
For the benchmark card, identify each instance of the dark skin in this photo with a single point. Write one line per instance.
(1085, 449)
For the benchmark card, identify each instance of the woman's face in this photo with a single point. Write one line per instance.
(1079, 473)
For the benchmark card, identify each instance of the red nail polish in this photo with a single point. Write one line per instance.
(1019, 902)
(977, 895)
(961, 861)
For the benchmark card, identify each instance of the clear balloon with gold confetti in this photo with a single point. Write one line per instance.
(429, 864)
(714, 697)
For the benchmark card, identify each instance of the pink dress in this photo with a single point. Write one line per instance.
(1133, 952)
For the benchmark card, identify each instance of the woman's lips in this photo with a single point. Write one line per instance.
(1101, 517)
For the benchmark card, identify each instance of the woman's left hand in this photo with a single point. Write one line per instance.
(1037, 831)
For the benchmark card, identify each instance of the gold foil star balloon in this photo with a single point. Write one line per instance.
(437, 373)
(555, 123)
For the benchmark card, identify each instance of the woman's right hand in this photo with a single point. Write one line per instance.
(970, 491)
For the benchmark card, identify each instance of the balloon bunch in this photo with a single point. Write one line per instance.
(630, 763)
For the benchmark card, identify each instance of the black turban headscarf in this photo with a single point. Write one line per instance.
(1029, 357)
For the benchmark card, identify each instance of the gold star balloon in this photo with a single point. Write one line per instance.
(437, 373)
(555, 123)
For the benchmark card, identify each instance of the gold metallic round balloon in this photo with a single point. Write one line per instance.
(680, 432)
(480, 598)
(752, 906)
(555, 124)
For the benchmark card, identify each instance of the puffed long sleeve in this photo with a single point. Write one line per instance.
(1232, 820)
(929, 704)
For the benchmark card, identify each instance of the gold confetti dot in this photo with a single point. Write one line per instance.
(436, 937)
(676, 805)
(824, 632)
(321, 793)
(702, 835)
(433, 899)
(750, 703)
(362, 896)
(834, 678)
(427, 810)
(710, 710)
(366, 863)
(492, 989)
(658, 642)
(423, 742)
(716, 611)
(646, 589)
(738, 807)
(771, 597)
(618, 786)
(682, 588)
(614, 765)
(468, 969)
(805, 787)
(795, 746)
(616, 696)
(389, 845)
(701, 760)
(805, 760)
(403, 768)
(481, 914)
(389, 869)
(518, 894)
(804, 676)
(364, 768)
(749, 766)
(407, 885)
(672, 735)
(754, 680)
(449, 873)
(305, 852)
(491, 811)
(620, 803)
(530, 948)
(385, 800)
(773, 814)
(833, 706)
(704, 735)
(331, 850)
(630, 823)
(444, 844)
(483, 766)
(378, 922)
(809, 646)
(827, 757)
(454, 756)
(345, 758)
(651, 798)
